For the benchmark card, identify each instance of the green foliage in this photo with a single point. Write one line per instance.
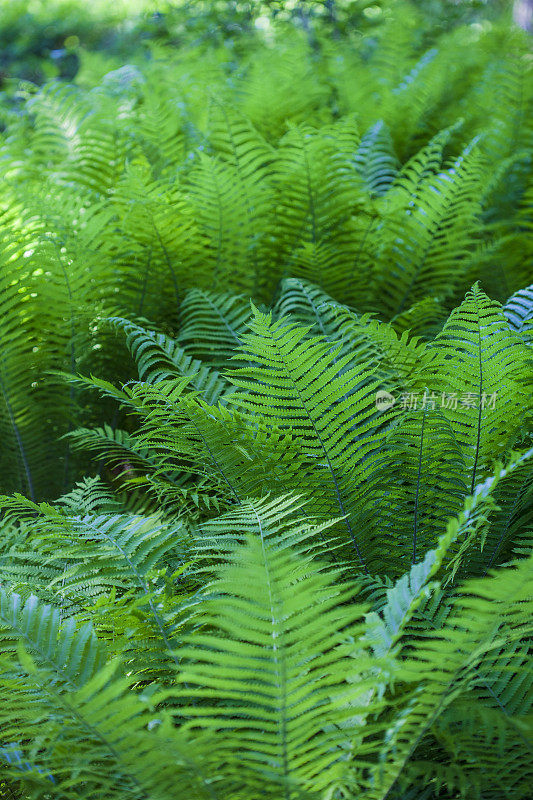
(266, 407)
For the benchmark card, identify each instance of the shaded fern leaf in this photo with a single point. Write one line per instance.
(422, 478)
(376, 160)
(158, 358)
(212, 325)
(519, 311)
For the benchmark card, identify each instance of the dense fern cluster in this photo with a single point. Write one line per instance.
(266, 417)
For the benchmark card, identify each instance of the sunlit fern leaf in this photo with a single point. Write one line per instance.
(477, 378)
(212, 325)
(103, 550)
(17, 428)
(34, 342)
(281, 521)
(511, 79)
(124, 397)
(231, 211)
(158, 358)
(124, 549)
(267, 616)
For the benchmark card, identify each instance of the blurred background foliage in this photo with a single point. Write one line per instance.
(46, 39)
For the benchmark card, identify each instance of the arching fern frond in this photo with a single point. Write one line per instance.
(376, 160)
(487, 616)
(427, 238)
(422, 478)
(159, 358)
(212, 325)
(104, 728)
(519, 312)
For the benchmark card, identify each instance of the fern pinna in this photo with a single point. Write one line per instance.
(266, 415)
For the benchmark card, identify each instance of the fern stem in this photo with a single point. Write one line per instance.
(480, 396)
(170, 267)
(281, 667)
(418, 477)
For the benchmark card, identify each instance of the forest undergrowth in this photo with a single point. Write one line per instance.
(266, 324)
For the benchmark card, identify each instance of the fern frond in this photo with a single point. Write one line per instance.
(266, 633)
(212, 325)
(159, 358)
(104, 728)
(421, 474)
(478, 362)
(427, 240)
(487, 615)
(73, 653)
(300, 386)
(519, 311)
(280, 521)
(488, 513)
(376, 160)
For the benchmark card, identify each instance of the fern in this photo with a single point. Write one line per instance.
(267, 522)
